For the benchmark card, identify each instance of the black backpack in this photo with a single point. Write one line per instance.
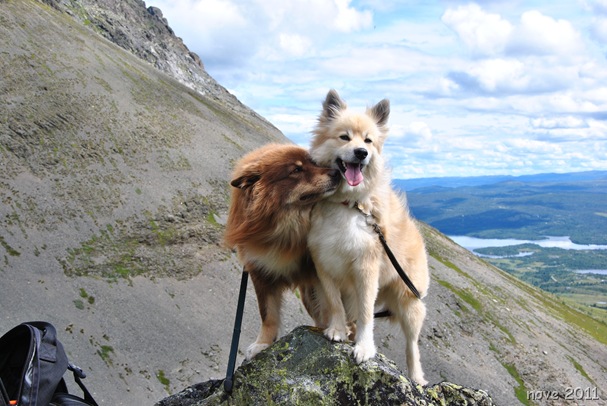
(32, 365)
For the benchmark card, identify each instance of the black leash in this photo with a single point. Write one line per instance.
(399, 269)
(228, 384)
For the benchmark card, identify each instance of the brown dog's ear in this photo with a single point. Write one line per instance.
(332, 105)
(246, 176)
(380, 112)
(244, 181)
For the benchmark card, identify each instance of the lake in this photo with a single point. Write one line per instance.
(472, 243)
(595, 271)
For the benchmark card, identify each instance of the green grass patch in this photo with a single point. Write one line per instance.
(470, 299)
(104, 352)
(520, 391)
(212, 220)
(502, 328)
(451, 265)
(574, 317)
(581, 370)
(165, 236)
(10, 250)
(83, 294)
(463, 294)
(163, 380)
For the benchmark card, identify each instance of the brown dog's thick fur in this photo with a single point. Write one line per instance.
(274, 190)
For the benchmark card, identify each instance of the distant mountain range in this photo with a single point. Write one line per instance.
(452, 182)
(525, 207)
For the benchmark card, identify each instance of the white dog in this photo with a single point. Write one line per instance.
(352, 265)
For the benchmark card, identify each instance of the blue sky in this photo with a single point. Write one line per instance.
(493, 87)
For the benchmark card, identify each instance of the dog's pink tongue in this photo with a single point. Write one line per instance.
(353, 174)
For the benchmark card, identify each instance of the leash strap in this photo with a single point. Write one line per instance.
(395, 263)
(384, 243)
(228, 384)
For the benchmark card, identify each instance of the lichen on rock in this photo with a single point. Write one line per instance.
(305, 368)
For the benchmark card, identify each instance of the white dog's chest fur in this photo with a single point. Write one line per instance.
(339, 235)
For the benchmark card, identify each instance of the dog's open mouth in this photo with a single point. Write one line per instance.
(352, 171)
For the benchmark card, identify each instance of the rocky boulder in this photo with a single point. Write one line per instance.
(305, 368)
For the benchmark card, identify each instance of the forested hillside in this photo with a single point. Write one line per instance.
(515, 209)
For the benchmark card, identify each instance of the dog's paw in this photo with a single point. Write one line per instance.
(336, 333)
(420, 380)
(363, 351)
(255, 349)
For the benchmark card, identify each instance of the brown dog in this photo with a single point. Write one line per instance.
(275, 188)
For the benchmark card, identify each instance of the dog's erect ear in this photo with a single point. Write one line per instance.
(380, 112)
(332, 105)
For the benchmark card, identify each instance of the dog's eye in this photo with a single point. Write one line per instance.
(368, 140)
(345, 137)
(297, 169)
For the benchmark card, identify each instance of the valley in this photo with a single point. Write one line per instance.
(508, 222)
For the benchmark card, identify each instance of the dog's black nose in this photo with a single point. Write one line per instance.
(360, 153)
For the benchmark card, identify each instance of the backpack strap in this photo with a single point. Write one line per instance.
(79, 375)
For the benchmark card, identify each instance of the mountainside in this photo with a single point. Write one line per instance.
(114, 186)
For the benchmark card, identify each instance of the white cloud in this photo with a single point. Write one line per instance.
(533, 146)
(372, 62)
(496, 74)
(488, 34)
(417, 133)
(568, 102)
(228, 33)
(420, 130)
(483, 33)
(295, 45)
(349, 19)
(538, 34)
(211, 28)
(536, 54)
(558, 122)
(512, 76)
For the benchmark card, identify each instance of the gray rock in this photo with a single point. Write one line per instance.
(304, 368)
